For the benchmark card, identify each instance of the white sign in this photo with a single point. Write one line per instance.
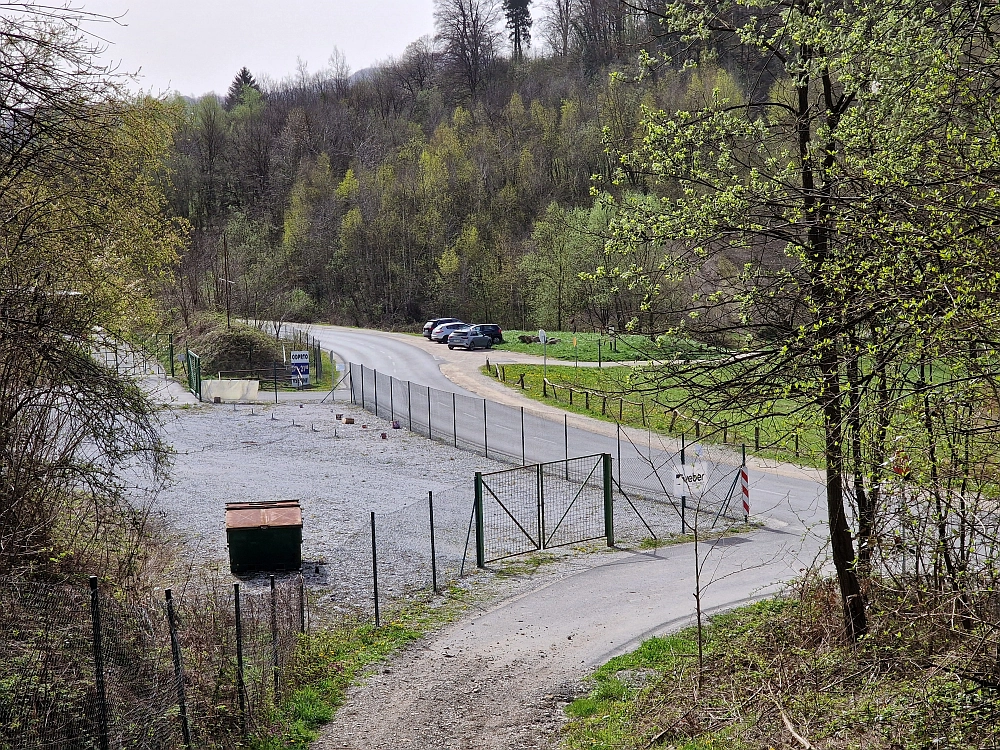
(690, 480)
(300, 368)
(542, 336)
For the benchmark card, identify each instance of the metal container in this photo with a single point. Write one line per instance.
(264, 536)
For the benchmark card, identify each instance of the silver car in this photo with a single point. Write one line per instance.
(441, 332)
(470, 337)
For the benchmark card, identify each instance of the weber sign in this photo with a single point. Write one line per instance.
(690, 480)
(300, 369)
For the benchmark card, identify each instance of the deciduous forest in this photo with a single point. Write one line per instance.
(457, 179)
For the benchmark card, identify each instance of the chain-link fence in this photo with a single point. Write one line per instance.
(132, 359)
(89, 669)
(647, 494)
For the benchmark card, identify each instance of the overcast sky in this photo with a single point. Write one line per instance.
(197, 46)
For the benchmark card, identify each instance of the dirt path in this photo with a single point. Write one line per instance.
(431, 697)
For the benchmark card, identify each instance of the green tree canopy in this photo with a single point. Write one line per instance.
(851, 179)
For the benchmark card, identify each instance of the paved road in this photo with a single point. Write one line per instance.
(489, 681)
(497, 681)
(785, 497)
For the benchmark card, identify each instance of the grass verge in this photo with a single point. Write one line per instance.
(780, 666)
(593, 347)
(327, 662)
(616, 395)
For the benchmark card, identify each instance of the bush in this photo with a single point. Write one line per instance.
(237, 348)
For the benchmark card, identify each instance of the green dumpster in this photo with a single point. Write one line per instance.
(264, 536)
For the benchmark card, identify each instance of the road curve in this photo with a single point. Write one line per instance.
(492, 681)
(785, 497)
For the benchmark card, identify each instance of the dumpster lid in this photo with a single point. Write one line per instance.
(255, 515)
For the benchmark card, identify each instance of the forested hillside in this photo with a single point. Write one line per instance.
(460, 178)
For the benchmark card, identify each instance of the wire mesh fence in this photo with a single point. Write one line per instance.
(411, 557)
(133, 359)
(646, 495)
(92, 669)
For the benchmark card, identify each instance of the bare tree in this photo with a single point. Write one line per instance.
(468, 34)
(415, 69)
(557, 25)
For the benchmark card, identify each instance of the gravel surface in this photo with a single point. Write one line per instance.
(339, 473)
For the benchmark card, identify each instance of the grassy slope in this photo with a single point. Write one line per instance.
(328, 661)
(590, 346)
(781, 660)
(776, 434)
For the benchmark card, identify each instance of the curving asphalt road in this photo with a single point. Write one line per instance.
(786, 497)
(526, 649)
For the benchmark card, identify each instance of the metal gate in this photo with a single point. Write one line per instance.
(194, 373)
(536, 507)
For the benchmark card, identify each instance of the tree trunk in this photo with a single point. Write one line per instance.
(855, 618)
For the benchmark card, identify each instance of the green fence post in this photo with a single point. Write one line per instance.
(170, 347)
(480, 540)
(102, 698)
(609, 511)
(540, 483)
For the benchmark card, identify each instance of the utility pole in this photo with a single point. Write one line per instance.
(229, 283)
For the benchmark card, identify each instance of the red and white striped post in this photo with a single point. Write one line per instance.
(745, 489)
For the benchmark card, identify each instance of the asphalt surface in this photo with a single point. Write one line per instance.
(783, 496)
(489, 681)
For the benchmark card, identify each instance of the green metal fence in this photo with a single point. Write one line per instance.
(540, 506)
(193, 367)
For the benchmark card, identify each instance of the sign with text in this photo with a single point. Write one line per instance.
(690, 480)
(300, 369)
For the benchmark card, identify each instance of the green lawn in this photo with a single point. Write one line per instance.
(596, 392)
(594, 347)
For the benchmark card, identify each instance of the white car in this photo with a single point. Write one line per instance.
(440, 333)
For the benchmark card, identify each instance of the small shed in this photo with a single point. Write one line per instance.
(264, 536)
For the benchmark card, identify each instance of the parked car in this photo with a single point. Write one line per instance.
(494, 331)
(440, 333)
(433, 323)
(470, 337)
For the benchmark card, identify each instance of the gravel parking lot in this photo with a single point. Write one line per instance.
(339, 473)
